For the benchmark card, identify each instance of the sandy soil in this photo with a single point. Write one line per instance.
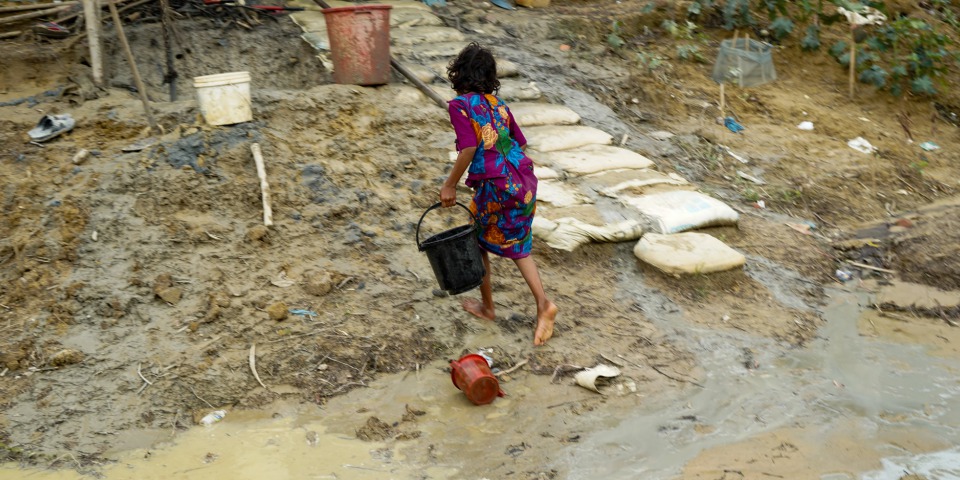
(138, 283)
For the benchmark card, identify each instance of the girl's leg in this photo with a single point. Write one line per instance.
(482, 308)
(546, 310)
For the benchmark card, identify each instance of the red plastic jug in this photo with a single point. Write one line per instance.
(471, 374)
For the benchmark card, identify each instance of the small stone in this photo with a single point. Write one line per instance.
(170, 295)
(278, 311)
(318, 284)
(66, 357)
(904, 222)
(440, 293)
(257, 233)
(564, 48)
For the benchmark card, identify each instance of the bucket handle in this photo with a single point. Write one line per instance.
(434, 207)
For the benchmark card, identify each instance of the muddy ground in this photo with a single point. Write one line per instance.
(134, 286)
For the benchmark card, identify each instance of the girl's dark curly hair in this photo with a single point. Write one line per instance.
(474, 70)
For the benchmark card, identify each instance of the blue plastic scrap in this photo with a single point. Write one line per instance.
(732, 124)
(300, 311)
(438, 3)
(929, 146)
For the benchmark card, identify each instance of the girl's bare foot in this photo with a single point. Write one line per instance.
(477, 308)
(545, 318)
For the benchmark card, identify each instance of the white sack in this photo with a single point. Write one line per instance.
(588, 159)
(531, 114)
(550, 138)
(680, 210)
(687, 253)
(569, 233)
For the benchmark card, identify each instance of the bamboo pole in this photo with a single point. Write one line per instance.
(133, 66)
(37, 6)
(171, 75)
(27, 16)
(91, 16)
(264, 186)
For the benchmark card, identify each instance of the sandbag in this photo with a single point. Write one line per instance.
(560, 194)
(429, 50)
(643, 179)
(426, 34)
(510, 91)
(550, 138)
(530, 114)
(569, 233)
(687, 253)
(587, 159)
(505, 68)
(681, 210)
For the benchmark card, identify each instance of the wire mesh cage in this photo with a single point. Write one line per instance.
(744, 62)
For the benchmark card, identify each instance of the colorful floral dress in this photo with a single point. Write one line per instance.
(501, 175)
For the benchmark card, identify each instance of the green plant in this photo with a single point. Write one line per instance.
(651, 62)
(614, 39)
(791, 195)
(750, 195)
(919, 165)
(910, 56)
(690, 53)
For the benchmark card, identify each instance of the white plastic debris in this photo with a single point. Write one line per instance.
(588, 378)
(805, 126)
(861, 145)
(213, 417)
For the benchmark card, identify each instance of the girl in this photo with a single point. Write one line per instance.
(491, 145)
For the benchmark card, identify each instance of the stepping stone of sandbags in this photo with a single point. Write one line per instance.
(423, 73)
(429, 50)
(588, 159)
(568, 233)
(410, 17)
(318, 40)
(636, 181)
(681, 210)
(560, 194)
(531, 114)
(424, 35)
(550, 138)
(505, 68)
(510, 90)
(687, 253)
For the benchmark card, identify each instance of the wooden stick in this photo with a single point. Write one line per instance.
(15, 33)
(264, 186)
(512, 369)
(38, 6)
(91, 15)
(253, 365)
(171, 75)
(723, 98)
(870, 267)
(133, 67)
(27, 16)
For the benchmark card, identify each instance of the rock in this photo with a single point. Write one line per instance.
(375, 430)
(278, 311)
(318, 284)
(66, 357)
(162, 281)
(257, 234)
(170, 295)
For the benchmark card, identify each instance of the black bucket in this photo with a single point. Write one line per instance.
(454, 255)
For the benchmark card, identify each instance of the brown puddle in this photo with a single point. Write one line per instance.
(248, 445)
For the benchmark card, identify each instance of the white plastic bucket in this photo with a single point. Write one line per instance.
(224, 98)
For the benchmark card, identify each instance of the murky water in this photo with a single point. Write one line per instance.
(840, 378)
(876, 394)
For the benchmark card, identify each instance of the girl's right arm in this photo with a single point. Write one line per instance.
(448, 193)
